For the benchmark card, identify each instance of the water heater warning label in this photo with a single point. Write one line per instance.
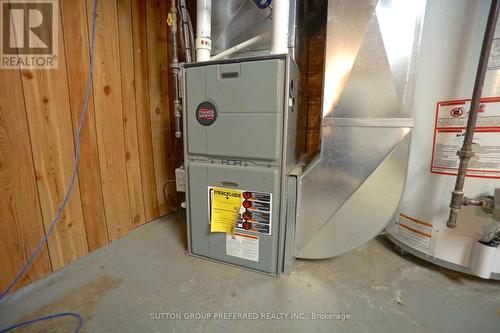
(418, 233)
(449, 131)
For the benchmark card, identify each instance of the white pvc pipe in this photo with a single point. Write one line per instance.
(203, 30)
(241, 46)
(281, 12)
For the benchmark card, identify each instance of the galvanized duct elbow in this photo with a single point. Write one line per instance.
(350, 191)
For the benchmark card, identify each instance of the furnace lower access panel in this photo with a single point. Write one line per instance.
(240, 124)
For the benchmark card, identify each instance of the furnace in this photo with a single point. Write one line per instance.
(240, 123)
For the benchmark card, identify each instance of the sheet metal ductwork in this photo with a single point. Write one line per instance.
(236, 21)
(350, 191)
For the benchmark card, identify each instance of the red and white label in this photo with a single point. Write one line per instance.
(207, 114)
(449, 131)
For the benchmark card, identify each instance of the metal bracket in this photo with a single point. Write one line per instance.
(180, 179)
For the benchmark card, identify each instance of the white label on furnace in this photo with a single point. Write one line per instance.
(243, 246)
(451, 119)
(416, 232)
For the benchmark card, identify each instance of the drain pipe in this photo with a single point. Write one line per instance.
(281, 13)
(241, 46)
(457, 199)
(203, 30)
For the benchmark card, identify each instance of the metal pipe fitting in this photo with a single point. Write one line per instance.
(466, 153)
(186, 33)
(175, 70)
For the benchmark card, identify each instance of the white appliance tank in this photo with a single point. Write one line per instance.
(451, 42)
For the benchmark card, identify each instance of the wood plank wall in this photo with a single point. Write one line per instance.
(126, 151)
(313, 41)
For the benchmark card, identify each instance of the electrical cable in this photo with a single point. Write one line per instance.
(191, 38)
(57, 315)
(66, 196)
(494, 240)
(165, 195)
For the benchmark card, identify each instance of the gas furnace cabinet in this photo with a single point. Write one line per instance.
(240, 122)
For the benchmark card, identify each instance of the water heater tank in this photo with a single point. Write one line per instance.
(452, 35)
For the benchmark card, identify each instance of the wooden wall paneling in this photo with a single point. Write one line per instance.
(314, 86)
(129, 112)
(315, 68)
(76, 44)
(109, 118)
(313, 141)
(158, 97)
(314, 115)
(140, 43)
(126, 153)
(302, 42)
(50, 127)
(316, 50)
(21, 224)
(314, 105)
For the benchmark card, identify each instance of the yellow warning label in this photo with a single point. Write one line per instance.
(226, 205)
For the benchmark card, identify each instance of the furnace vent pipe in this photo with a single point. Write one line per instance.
(466, 153)
(281, 13)
(242, 46)
(203, 30)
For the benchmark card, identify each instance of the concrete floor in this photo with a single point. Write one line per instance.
(120, 287)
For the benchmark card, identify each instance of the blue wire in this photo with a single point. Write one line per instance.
(66, 196)
(63, 314)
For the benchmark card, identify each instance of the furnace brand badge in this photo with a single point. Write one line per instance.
(206, 113)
